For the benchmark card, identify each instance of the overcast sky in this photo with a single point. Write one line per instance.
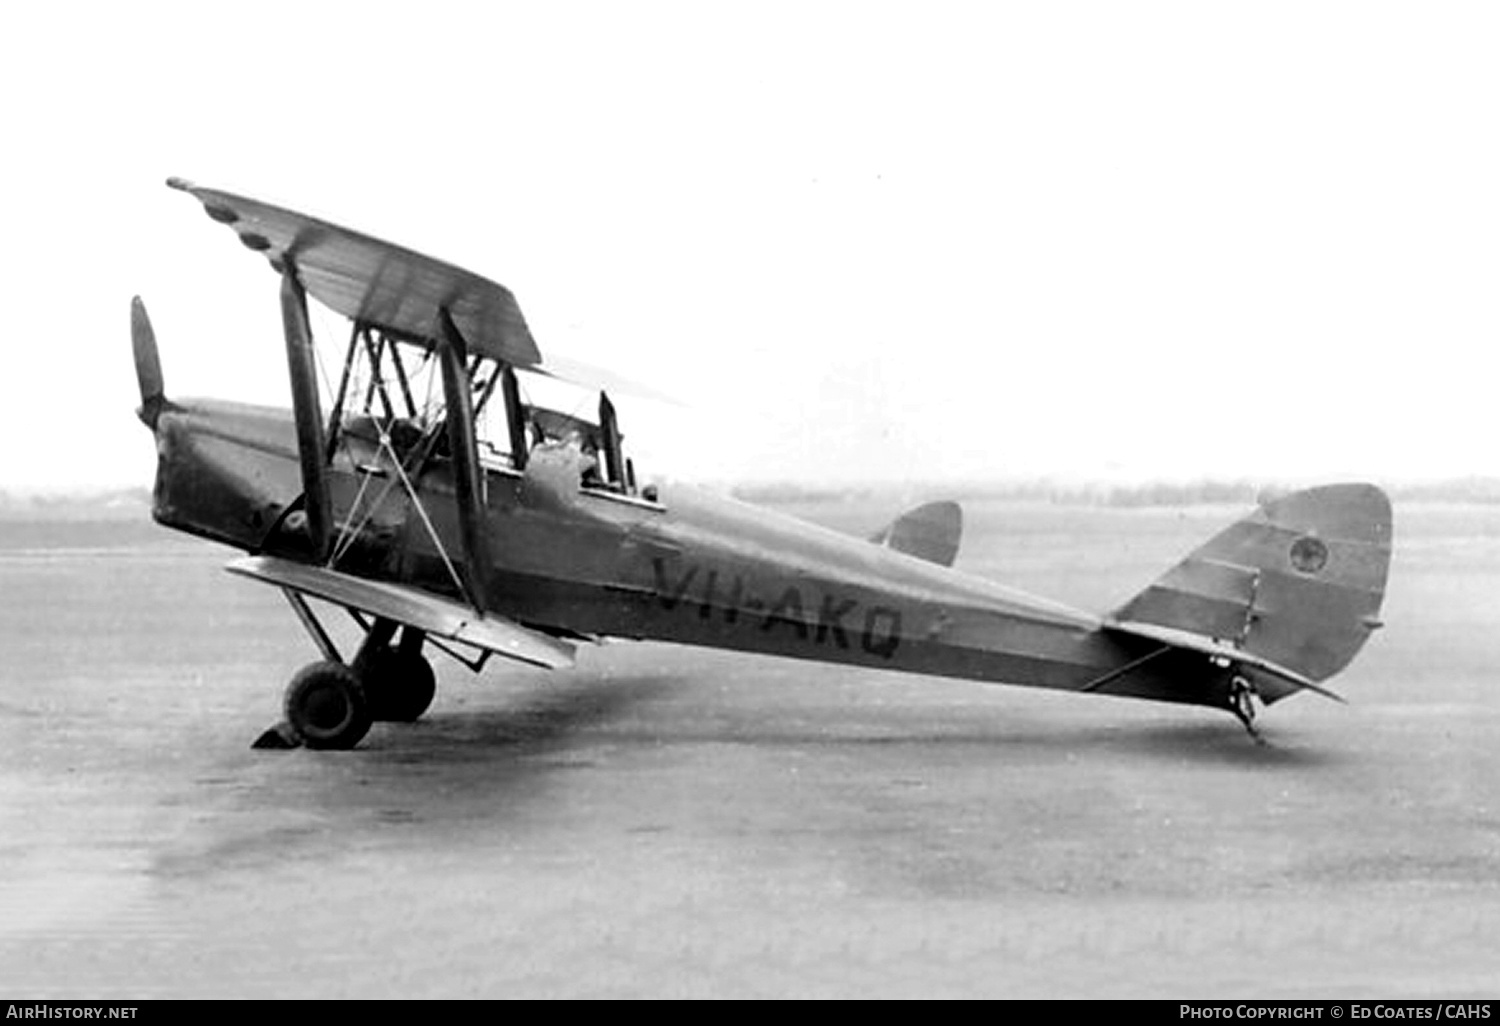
(1113, 240)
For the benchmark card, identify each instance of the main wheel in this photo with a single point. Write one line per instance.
(326, 706)
(400, 684)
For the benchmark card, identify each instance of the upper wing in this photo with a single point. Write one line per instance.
(426, 612)
(379, 283)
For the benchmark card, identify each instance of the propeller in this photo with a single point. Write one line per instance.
(147, 365)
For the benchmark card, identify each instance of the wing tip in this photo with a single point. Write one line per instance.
(180, 184)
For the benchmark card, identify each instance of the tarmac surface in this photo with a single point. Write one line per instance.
(662, 821)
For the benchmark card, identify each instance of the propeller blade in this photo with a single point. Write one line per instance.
(147, 364)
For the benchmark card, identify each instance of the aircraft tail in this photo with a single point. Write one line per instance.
(1298, 583)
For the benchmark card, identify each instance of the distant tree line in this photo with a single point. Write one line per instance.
(1484, 490)
(130, 502)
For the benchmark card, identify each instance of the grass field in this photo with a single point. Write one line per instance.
(666, 821)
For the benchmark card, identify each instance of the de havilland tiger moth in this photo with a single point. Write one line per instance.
(447, 513)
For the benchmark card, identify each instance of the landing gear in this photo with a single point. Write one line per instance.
(326, 706)
(1242, 704)
(331, 704)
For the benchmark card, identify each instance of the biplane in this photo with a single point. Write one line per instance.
(447, 513)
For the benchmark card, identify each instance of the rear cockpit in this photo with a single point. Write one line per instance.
(547, 416)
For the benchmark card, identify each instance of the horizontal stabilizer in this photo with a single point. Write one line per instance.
(931, 532)
(1217, 650)
(1295, 587)
(426, 612)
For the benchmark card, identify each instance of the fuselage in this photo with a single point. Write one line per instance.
(687, 566)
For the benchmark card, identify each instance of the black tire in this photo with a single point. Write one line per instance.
(401, 685)
(326, 706)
